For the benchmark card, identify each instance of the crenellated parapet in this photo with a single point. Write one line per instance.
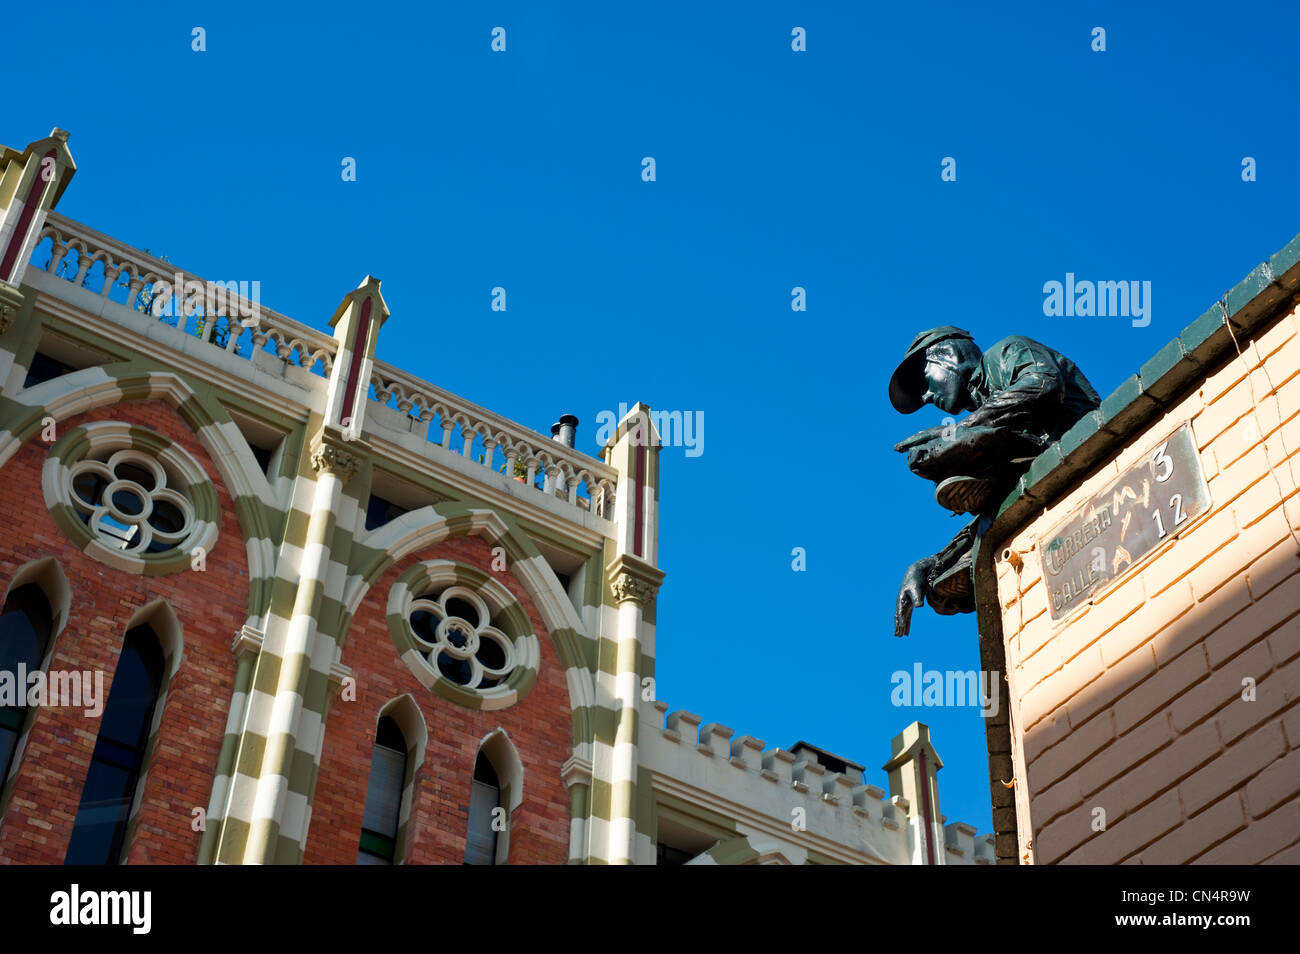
(790, 797)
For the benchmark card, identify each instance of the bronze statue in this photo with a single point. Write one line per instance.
(1022, 396)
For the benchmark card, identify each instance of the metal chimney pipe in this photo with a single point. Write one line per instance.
(565, 430)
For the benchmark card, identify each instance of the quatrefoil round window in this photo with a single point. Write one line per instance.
(463, 634)
(126, 501)
(130, 497)
(453, 631)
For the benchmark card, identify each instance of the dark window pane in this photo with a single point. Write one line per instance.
(390, 736)
(379, 511)
(8, 743)
(128, 503)
(89, 487)
(668, 855)
(457, 670)
(135, 687)
(45, 368)
(25, 626)
(100, 826)
(134, 472)
(263, 457)
(167, 517)
(425, 625)
(481, 839)
(383, 796)
(484, 771)
(464, 610)
(491, 653)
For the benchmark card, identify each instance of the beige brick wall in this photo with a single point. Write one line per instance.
(1134, 704)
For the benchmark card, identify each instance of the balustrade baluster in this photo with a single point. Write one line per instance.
(84, 265)
(111, 275)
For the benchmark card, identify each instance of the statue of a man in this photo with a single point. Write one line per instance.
(1022, 396)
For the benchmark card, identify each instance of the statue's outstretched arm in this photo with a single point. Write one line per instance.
(921, 575)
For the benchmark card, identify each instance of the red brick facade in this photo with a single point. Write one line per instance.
(539, 727)
(210, 605)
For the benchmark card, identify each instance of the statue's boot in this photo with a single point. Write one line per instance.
(953, 591)
(965, 494)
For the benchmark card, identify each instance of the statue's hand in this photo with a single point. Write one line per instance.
(920, 437)
(911, 594)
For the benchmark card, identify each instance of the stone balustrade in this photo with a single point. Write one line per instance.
(479, 435)
(221, 312)
(230, 315)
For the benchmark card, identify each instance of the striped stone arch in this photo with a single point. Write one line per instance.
(23, 417)
(384, 546)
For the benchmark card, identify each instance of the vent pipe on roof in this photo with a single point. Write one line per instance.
(565, 430)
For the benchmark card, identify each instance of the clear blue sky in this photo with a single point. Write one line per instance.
(774, 169)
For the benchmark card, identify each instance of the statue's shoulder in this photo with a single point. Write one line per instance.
(1020, 344)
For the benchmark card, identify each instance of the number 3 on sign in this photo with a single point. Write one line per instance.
(1161, 459)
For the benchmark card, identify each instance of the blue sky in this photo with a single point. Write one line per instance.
(774, 169)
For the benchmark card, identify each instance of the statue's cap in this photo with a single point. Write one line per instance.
(907, 385)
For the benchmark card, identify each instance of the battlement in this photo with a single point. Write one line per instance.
(788, 794)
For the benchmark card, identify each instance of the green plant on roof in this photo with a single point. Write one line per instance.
(521, 469)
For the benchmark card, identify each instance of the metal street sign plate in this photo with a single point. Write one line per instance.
(1149, 502)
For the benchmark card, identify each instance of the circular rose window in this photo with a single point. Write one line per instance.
(453, 631)
(130, 497)
(126, 501)
(463, 634)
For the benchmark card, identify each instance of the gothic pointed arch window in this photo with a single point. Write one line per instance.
(34, 612)
(400, 739)
(116, 766)
(26, 625)
(485, 814)
(382, 817)
(496, 790)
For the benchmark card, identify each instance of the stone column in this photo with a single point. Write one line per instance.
(268, 808)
